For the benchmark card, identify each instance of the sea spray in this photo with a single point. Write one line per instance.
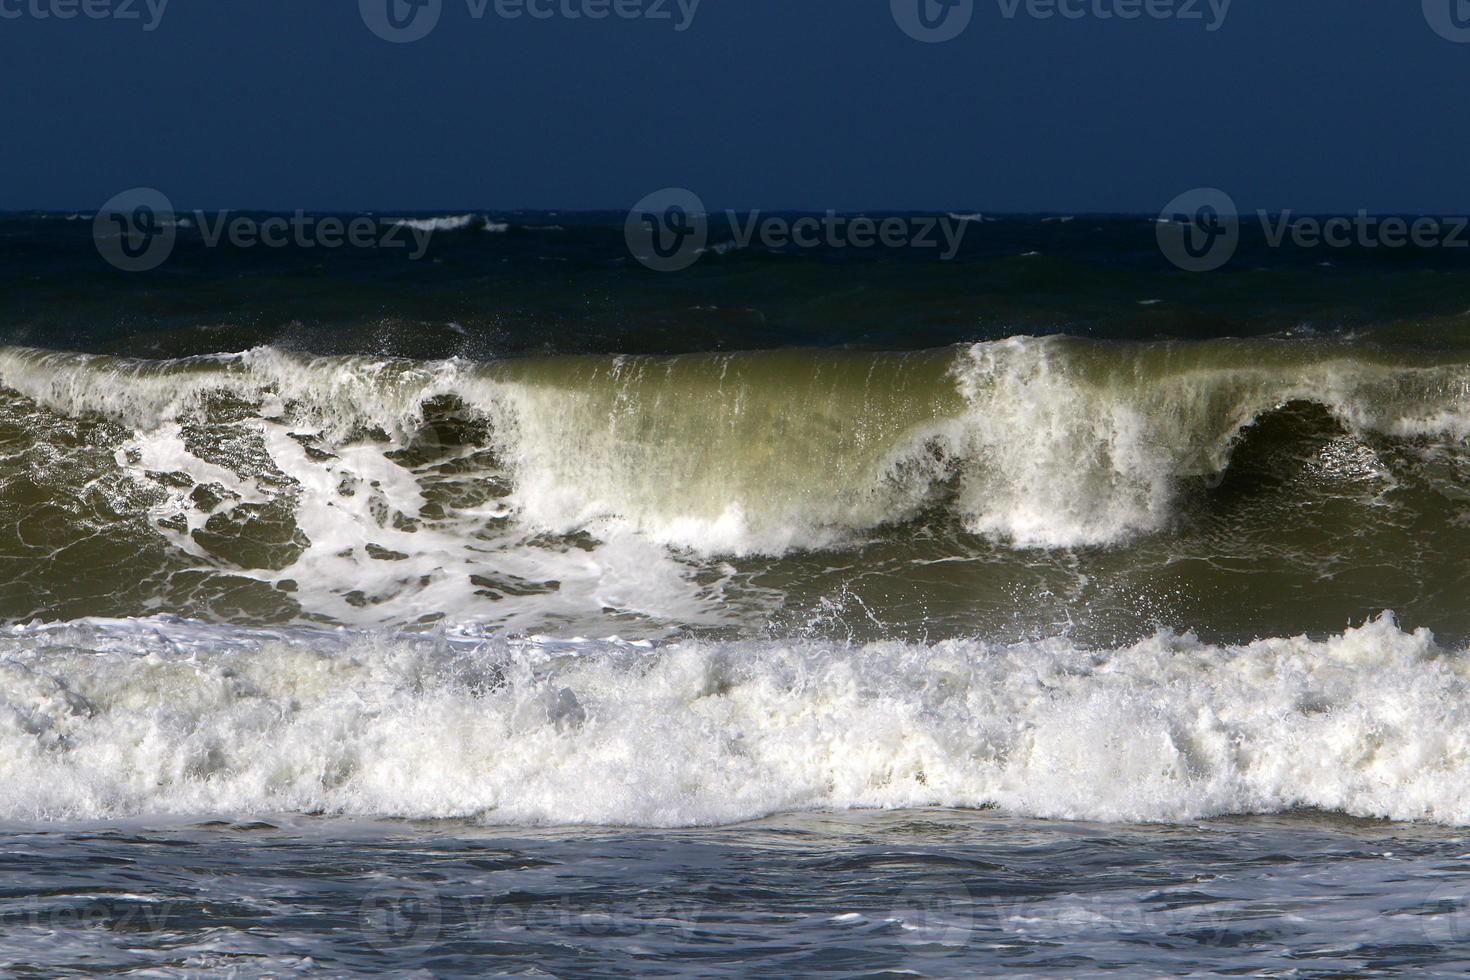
(105, 719)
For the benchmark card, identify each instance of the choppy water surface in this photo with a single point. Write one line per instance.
(526, 610)
(931, 893)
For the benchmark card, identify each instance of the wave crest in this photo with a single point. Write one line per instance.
(369, 489)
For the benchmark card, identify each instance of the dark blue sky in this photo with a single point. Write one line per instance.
(1321, 105)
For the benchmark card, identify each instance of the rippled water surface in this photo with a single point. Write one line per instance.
(931, 893)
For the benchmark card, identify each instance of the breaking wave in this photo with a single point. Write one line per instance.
(101, 720)
(375, 491)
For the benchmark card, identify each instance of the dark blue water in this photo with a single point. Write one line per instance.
(553, 282)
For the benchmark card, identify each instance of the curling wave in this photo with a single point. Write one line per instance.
(373, 491)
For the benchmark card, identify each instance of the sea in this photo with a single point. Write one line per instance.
(514, 608)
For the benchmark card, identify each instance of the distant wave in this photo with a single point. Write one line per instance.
(453, 222)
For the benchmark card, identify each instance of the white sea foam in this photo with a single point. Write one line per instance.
(452, 222)
(1074, 451)
(104, 719)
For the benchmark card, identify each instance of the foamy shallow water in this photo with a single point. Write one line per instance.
(108, 719)
(188, 799)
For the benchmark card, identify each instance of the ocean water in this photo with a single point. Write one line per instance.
(521, 609)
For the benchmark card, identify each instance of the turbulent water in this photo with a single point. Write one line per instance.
(559, 541)
(1014, 487)
(119, 719)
